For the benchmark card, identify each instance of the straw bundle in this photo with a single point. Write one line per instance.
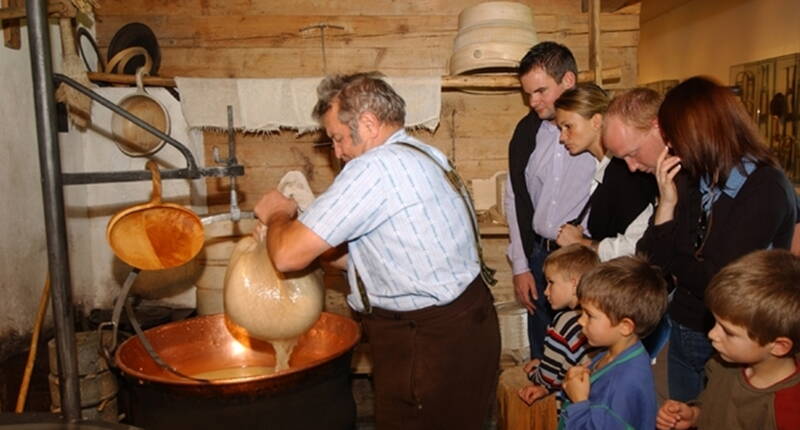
(85, 6)
(79, 105)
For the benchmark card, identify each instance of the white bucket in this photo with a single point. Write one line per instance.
(492, 36)
(513, 326)
(221, 238)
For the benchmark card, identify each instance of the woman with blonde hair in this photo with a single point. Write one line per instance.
(621, 200)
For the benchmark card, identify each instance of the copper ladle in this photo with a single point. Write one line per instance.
(155, 235)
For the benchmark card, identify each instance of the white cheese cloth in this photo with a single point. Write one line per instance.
(265, 105)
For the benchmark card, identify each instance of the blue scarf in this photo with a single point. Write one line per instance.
(736, 179)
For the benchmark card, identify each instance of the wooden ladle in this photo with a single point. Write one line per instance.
(155, 235)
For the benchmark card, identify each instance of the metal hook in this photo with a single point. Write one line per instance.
(322, 27)
(234, 213)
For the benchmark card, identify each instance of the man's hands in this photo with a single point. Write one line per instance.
(274, 203)
(576, 384)
(525, 289)
(292, 246)
(675, 415)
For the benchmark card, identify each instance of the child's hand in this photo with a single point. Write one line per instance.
(531, 366)
(531, 393)
(676, 415)
(576, 384)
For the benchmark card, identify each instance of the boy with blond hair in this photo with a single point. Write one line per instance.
(622, 300)
(564, 345)
(754, 380)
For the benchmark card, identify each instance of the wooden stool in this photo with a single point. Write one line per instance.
(514, 414)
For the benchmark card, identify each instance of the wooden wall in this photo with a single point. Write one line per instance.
(262, 38)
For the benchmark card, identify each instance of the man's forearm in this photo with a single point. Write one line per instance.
(335, 258)
(291, 245)
(278, 242)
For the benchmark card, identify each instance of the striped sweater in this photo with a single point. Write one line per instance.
(564, 346)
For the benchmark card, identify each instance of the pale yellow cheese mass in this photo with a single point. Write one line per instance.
(270, 305)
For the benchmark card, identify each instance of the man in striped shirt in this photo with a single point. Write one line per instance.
(411, 260)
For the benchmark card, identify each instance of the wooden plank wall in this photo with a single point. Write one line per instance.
(262, 38)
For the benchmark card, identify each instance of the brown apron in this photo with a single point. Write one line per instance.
(436, 367)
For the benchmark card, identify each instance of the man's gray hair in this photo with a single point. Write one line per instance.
(359, 93)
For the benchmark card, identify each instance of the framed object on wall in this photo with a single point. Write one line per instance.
(768, 89)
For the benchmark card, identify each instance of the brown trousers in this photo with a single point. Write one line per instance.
(437, 367)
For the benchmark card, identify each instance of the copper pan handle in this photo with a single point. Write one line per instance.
(156, 196)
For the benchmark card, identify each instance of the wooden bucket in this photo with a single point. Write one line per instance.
(492, 36)
(513, 413)
(97, 384)
(129, 137)
(495, 11)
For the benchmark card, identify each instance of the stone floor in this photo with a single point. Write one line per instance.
(365, 402)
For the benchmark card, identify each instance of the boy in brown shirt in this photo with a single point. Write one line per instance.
(754, 380)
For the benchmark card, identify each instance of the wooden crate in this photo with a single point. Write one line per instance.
(513, 413)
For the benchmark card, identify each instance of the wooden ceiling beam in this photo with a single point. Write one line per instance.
(608, 6)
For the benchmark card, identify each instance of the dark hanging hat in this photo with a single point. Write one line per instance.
(136, 34)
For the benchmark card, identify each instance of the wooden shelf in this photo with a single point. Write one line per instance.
(448, 82)
(59, 8)
(491, 229)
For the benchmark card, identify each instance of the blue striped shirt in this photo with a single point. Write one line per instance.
(408, 231)
(565, 346)
(558, 184)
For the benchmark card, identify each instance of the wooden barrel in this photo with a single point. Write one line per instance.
(513, 413)
(98, 385)
(495, 11)
(492, 36)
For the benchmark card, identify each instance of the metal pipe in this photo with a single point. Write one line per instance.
(52, 193)
(190, 172)
(144, 175)
(235, 211)
(226, 216)
(191, 165)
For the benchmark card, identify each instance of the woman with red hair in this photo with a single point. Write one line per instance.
(722, 195)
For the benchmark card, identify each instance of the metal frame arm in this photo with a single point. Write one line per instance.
(190, 172)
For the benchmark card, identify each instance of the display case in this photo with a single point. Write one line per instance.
(768, 89)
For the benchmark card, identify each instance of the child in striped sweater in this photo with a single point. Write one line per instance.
(564, 345)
